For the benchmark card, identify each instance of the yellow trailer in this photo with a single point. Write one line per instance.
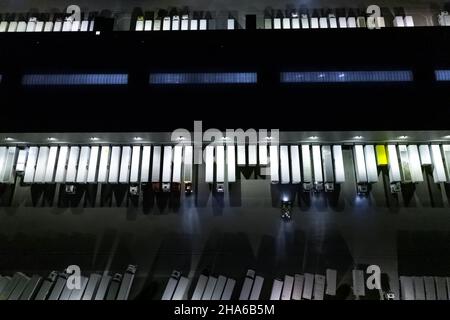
(382, 159)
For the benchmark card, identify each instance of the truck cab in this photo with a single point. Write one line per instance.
(250, 274)
(307, 186)
(318, 186)
(175, 275)
(389, 296)
(220, 187)
(362, 189)
(70, 189)
(286, 208)
(329, 187)
(131, 269)
(165, 187)
(396, 187)
(134, 189)
(188, 187)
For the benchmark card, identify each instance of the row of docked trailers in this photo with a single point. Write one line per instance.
(331, 21)
(288, 164)
(223, 159)
(312, 165)
(55, 286)
(424, 288)
(34, 24)
(320, 167)
(405, 163)
(97, 164)
(175, 23)
(298, 287)
(411, 287)
(207, 288)
(306, 286)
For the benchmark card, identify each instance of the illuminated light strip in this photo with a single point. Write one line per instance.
(203, 78)
(442, 75)
(346, 76)
(74, 79)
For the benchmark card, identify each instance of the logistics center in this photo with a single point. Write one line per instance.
(228, 152)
